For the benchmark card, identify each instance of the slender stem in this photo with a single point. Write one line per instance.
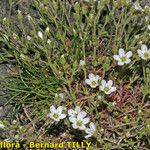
(144, 74)
(83, 47)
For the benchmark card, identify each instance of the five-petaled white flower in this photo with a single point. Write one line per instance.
(74, 113)
(93, 80)
(90, 131)
(107, 87)
(57, 114)
(79, 122)
(123, 58)
(144, 52)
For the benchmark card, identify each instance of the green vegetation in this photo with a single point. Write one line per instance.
(56, 46)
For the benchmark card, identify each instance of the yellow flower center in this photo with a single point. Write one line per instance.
(146, 55)
(93, 83)
(79, 123)
(106, 89)
(55, 115)
(123, 58)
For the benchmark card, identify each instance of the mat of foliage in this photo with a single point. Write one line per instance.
(54, 46)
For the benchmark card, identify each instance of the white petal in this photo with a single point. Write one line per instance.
(116, 57)
(77, 109)
(87, 81)
(52, 109)
(88, 135)
(71, 112)
(140, 53)
(51, 115)
(103, 83)
(74, 126)
(101, 88)
(110, 83)
(120, 63)
(91, 75)
(113, 89)
(144, 48)
(128, 61)
(92, 126)
(97, 77)
(62, 116)
(129, 54)
(72, 119)
(40, 34)
(82, 127)
(83, 113)
(86, 120)
(88, 130)
(59, 109)
(121, 52)
(80, 116)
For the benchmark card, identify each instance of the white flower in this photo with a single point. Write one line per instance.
(146, 18)
(107, 87)
(60, 96)
(74, 113)
(90, 131)
(14, 122)
(137, 36)
(123, 58)
(49, 41)
(57, 114)
(137, 6)
(29, 17)
(144, 53)
(19, 12)
(47, 29)
(1, 125)
(147, 7)
(62, 56)
(4, 19)
(14, 35)
(93, 80)
(40, 34)
(79, 122)
(82, 63)
(28, 38)
(148, 27)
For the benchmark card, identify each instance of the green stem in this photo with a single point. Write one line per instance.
(83, 47)
(144, 74)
